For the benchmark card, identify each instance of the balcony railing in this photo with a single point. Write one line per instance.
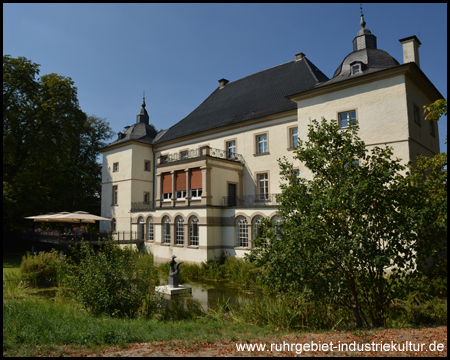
(57, 238)
(205, 150)
(250, 200)
(143, 206)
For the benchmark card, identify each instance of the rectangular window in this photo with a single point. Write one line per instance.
(196, 178)
(180, 182)
(356, 69)
(167, 186)
(147, 165)
(196, 193)
(261, 144)
(231, 149)
(294, 137)
(114, 194)
(146, 197)
(181, 194)
(116, 167)
(417, 115)
(164, 159)
(432, 128)
(184, 155)
(263, 186)
(347, 118)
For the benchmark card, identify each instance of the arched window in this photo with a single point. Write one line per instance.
(166, 230)
(140, 234)
(241, 232)
(113, 225)
(276, 220)
(179, 230)
(150, 231)
(193, 231)
(256, 226)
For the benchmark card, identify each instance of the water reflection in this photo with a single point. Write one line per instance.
(209, 293)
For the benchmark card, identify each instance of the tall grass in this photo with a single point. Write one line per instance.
(13, 285)
(29, 324)
(238, 272)
(42, 269)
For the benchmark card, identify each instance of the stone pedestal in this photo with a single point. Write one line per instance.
(170, 290)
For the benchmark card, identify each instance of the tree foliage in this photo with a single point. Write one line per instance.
(351, 233)
(50, 147)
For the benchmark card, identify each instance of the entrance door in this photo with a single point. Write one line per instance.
(232, 198)
(141, 228)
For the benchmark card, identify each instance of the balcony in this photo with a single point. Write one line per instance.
(250, 200)
(143, 206)
(202, 151)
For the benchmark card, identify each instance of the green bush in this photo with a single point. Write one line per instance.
(114, 281)
(282, 312)
(42, 269)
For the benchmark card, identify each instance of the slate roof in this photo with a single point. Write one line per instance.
(253, 96)
(372, 60)
(140, 132)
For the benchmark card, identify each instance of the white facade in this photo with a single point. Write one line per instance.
(141, 179)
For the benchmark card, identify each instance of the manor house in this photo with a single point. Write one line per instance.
(201, 187)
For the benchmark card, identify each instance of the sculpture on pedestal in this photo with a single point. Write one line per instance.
(174, 271)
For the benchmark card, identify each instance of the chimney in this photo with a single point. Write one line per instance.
(411, 49)
(299, 56)
(222, 83)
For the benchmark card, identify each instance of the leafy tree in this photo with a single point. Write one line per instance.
(350, 234)
(50, 146)
(428, 182)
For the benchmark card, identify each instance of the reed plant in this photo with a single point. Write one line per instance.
(42, 269)
(13, 285)
(236, 271)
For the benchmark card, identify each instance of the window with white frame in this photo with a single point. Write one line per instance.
(181, 194)
(241, 232)
(167, 196)
(147, 165)
(257, 230)
(294, 137)
(356, 68)
(261, 144)
(150, 230)
(263, 186)
(193, 231)
(196, 193)
(179, 231)
(166, 230)
(115, 194)
(347, 118)
(116, 167)
(231, 149)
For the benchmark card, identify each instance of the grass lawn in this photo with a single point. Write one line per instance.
(11, 263)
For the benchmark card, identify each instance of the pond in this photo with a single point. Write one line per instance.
(209, 292)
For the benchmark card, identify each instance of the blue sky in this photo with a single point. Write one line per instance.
(177, 52)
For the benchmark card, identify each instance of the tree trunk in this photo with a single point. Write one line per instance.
(355, 307)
